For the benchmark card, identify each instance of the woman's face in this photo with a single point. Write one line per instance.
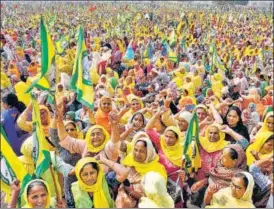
(201, 114)
(213, 134)
(226, 160)
(106, 105)
(209, 92)
(183, 124)
(89, 175)
(232, 118)
(38, 196)
(267, 147)
(138, 122)
(71, 130)
(60, 88)
(237, 187)
(97, 137)
(4, 105)
(170, 138)
(140, 152)
(270, 123)
(135, 104)
(44, 117)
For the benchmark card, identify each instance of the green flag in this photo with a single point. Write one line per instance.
(191, 146)
(80, 80)
(40, 152)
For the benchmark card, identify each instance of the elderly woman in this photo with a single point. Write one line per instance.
(232, 161)
(102, 114)
(93, 189)
(142, 158)
(26, 125)
(35, 188)
(237, 195)
(97, 140)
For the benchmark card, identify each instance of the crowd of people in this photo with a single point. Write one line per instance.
(153, 66)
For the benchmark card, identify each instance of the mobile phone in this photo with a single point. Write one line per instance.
(126, 183)
(189, 107)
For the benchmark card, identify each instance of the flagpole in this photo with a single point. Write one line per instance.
(54, 182)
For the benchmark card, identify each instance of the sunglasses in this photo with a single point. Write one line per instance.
(70, 129)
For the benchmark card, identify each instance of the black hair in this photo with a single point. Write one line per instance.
(74, 125)
(145, 143)
(138, 113)
(93, 165)
(270, 138)
(12, 100)
(233, 154)
(36, 183)
(239, 113)
(242, 176)
(176, 135)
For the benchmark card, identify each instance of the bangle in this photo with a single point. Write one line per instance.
(130, 194)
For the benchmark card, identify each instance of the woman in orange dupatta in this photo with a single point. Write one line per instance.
(102, 114)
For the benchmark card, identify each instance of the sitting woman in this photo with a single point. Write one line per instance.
(234, 120)
(136, 123)
(102, 114)
(170, 150)
(142, 158)
(261, 148)
(237, 195)
(36, 195)
(232, 161)
(93, 189)
(156, 195)
(97, 140)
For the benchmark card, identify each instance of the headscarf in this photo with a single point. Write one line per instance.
(173, 153)
(101, 196)
(253, 93)
(46, 127)
(101, 117)
(206, 87)
(186, 116)
(26, 196)
(156, 192)
(264, 127)
(213, 146)
(151, 163)
(90, 147)
(217, 85)
(221, 175)
(231, 202)
(59, 95)
(71, 114)
(26, 158)
(256, 146)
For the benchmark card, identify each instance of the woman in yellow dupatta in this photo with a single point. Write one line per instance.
(189, 85)
(102, 114)
(45, 120)
(238, 195)
(136, 105)
(61, 93)
(262, 147)
(91, 189)
(217, 85)
(142, 158)
(186, 99)
(197, 80)
(211, 146)
(29, 197)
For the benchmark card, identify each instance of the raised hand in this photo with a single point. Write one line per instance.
(213, 188)
(114, 118)
(15, 186)
(225, 129)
